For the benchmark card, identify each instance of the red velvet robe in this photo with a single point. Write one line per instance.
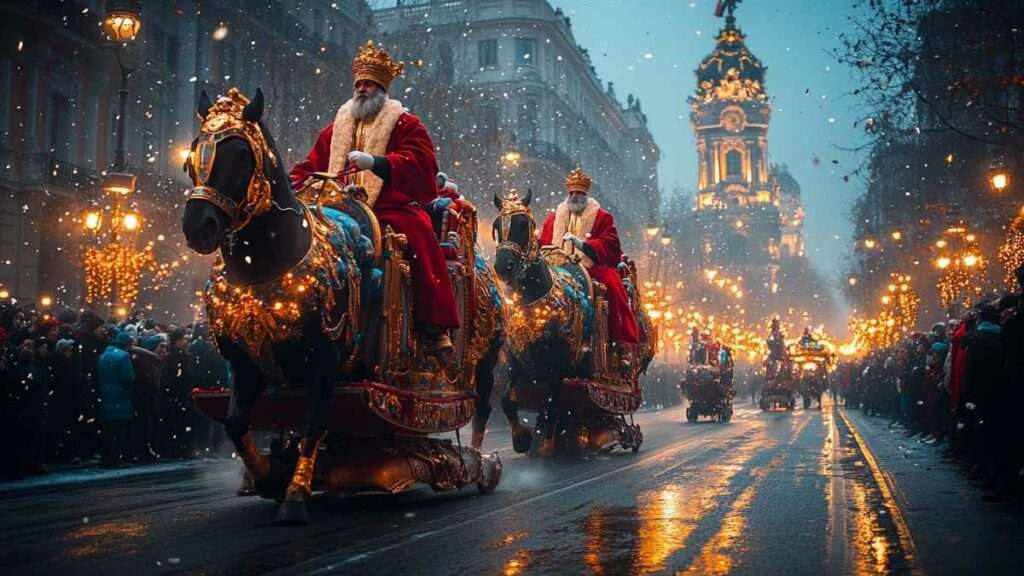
(413, 167)
(604, 240)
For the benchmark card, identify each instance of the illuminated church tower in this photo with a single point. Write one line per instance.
(737, 214)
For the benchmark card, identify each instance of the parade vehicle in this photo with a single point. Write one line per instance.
(811, 362)
(780, 388)
(583, 388)
(311, 302)
(709, 393)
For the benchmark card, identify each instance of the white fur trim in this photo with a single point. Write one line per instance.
(377, 133)
(561, 226)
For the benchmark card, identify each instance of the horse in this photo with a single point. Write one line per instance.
(557, 341)
(298, 299)
(242, 204)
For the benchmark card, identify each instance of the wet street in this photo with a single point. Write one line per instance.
(804, 492)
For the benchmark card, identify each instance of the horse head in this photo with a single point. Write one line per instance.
(231, 166)
(514, 231)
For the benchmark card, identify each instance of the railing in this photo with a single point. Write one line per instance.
(48, 169)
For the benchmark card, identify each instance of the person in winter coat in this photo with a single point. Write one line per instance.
(176, 381)
(64, 403)
(983, 380)
(146, 398)
(116, 377)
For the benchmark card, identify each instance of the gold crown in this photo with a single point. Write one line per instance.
(577, 181)
(372, 63)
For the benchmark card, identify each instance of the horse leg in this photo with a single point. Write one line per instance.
(521, 437)
(293, 509)
(246, 390)
(484, 375)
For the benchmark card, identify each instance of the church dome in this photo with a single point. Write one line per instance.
(730, 72)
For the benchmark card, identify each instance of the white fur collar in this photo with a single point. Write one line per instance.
(376, 134)
(561, 226)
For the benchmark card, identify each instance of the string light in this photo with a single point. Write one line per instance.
(1011, 252)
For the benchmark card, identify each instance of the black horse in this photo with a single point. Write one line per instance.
(243, 205)
(547, 325)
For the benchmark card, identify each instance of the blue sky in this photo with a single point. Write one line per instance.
(813, 113)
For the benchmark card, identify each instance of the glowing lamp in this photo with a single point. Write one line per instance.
(666, 240)
(652, 231)
(970, 260)
(942, 263)
(5, 294)
(115, 183)
(123, 20)
(45, 301)
(92, 220)
(131, 221)
(896, 235)
(870, 244)
(999, 179)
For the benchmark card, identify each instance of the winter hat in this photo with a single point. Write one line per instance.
(123, 338)
(63, 345)
(150, 343)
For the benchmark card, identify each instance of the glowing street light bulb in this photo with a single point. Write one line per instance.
(1000, 180)
(131, 222)
(45, 301)
(870, 243)
(92, 220)
(942, 262)
(970, 260)
(896, 235)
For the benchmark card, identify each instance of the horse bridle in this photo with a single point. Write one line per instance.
(218, 126)
(514, 207)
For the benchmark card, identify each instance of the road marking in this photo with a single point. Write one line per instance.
(838, 553)
(882, 481)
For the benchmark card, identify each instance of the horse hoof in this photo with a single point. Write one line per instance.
(521, 441)
(292, 513)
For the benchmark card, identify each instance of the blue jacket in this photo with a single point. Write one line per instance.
(116, 376)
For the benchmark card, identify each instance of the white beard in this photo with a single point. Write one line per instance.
(577, 203)
(366, 107)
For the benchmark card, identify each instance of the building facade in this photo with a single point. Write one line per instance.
(737, 216)
(513, 102)
(58, 110)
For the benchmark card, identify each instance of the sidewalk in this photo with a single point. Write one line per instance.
(953, 530)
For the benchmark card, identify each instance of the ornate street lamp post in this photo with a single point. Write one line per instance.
(122, 24)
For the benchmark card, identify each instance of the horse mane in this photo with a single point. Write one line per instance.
(276, 171)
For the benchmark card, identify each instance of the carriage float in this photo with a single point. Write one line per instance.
(311, 303)
(583, 388)
(812, 361)
(708, 393)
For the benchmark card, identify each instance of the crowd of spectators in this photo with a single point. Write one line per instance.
(78, 389)
(960, 385)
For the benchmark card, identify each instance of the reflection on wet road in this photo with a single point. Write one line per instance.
(793, 491)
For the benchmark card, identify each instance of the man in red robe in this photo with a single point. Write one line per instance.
(397, 168)
(579, 225)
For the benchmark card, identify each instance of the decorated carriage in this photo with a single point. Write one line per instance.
(811, 362)
(583, 387)
(324, 345)
(708, 391)
(779, 388)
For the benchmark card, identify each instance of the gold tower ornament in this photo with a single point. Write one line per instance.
(373, 63)
(577, 181)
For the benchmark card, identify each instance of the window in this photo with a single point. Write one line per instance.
(526, 51)
(733, 163)
(173, 49)
(488, 53)
(60, 131)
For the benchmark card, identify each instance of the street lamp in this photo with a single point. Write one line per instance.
(123, 20)
(92, 219)
(999, 178)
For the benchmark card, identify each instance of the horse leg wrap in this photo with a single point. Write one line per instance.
(301, 486)
(255, 461)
